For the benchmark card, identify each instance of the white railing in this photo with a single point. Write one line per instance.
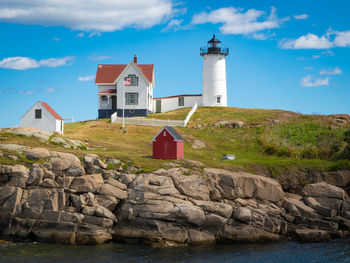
(190, 114)
(155, 122)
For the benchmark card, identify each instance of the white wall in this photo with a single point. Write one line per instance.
(47, 121)
(143, 88)
(214, 80)
(169, 104)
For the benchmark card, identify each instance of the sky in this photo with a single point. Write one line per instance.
(291, 55)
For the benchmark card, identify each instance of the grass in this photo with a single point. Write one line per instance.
(270, 139)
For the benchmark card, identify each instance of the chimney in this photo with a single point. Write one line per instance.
(135, 59)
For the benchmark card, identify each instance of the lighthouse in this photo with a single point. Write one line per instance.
(214, 92)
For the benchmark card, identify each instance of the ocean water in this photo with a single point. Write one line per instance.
(330, 252)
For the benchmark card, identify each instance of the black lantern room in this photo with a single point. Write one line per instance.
(214, 47)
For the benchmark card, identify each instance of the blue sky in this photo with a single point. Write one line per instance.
(291, 55)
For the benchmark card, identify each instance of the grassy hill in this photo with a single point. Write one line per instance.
(269, 139)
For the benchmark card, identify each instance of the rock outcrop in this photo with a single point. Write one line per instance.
(66, 201)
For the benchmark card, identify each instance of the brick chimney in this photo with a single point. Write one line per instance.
(135, 59)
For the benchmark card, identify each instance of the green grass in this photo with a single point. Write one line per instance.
(269, 139)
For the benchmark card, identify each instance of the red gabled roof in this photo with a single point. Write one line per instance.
(53, 113)
(107, 74)
(185, 95)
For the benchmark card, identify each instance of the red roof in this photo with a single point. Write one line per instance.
(185, 95)
(53, 113)
(107, 74)
(108, 91)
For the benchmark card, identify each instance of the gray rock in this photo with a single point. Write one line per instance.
(191, 214)
(312, 235)
(87, 183)
(192, 185)
(323, 189)
(49, 183)
(243, 185)
(243, 214)
(198, 144)
(36, 175)
(110, 190)
(104, 212)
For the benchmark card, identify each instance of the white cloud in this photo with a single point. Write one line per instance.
(86, 78)
(316, 56)
(28, 92)
(174, 24)
(309, 41)
(335, 71)
(308, 82)
(87, 15)
(308, 68)
(236, 22)
(301, 17)
(80, 35)
(97, 57)
(328, 53)
(56, 39)
(50, 90)
(342, 39)
(22, 63)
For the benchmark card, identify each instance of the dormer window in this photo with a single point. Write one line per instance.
(134, 81)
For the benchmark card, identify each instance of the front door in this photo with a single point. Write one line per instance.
(114, 102)
(158, 106)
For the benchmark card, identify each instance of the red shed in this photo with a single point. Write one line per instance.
(168, 144)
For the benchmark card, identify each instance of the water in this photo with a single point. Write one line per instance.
(332, 252)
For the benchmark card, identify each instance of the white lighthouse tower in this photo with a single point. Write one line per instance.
(214, 74)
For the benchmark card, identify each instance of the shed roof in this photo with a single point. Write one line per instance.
(172, 131)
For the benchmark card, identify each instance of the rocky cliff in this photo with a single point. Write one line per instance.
(62, 199)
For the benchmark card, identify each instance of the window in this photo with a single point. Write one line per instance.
(134, 81)
(38, 114)
(104, 99)
(61, 125)
(131, 98)
(164, 133)
(181, 101)
(218, 99)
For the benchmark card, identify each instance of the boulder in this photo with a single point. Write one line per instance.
(191, 214)
(192, 185)
(323, 189)
(229, 124)
(49, 183)
(242, 214)
(109, 202)
(36, 175)
(198, 144)
(312, 235)
(110, 190)
(87, 183)
(234, 185)
(104, 212)
(36, 153)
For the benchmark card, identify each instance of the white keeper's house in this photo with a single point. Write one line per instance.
(42, 116)
(136, 94)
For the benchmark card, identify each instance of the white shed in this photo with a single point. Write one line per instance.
(42, 116)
